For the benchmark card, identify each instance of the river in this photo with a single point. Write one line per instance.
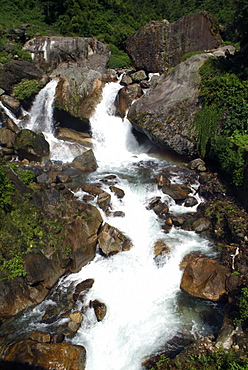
(145, 307)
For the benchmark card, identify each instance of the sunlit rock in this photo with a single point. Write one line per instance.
(205, 278)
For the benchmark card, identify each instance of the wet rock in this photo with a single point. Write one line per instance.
(161, 209)
(111, 240)
(126, 80)
(85, 162)
(103, 200)
(44, 355)
(76, 317)
(82, 288)
(176, 192)
(11, 103)
(117, 191)
(125, 97)
(178, 221)
(73, 328)
(99, 308)
(205, 278)
(63, 133)
(138, 76)
(160, 247)
(201, 224)
(190, 202)
(40, 336)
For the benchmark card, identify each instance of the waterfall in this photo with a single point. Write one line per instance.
(145, 307)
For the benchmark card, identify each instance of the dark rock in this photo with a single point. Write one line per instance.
(99, 308)
(201, 224)
(103, 200)
(14, 71)
(117, 191)
(31, 145)
(82, 288)
(190, 202)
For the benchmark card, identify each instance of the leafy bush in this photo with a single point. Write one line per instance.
(118, 58)
(243, 304)
(26, 89)
(6, 191)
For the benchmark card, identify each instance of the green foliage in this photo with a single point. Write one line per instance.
(6, 191)
(118, 58)
(230, 157)
(188, 55)
(222, 123)
(243, 304)
(27, 176)
(26, 88)
(217, 359)
(206, 121)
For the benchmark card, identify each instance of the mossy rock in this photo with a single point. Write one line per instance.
(31, 145)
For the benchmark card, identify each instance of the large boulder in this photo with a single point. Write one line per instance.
(112, 241)
(205, 278)
(78, 92)
(32, 146)
(32, 354)
(16, 295)
(85, 162)
(166, 113)
(16, 70)
(49, 52)
(160, 45)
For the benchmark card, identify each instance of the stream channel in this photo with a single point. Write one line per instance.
(145, 306)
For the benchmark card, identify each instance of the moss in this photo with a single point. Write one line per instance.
(26, 89)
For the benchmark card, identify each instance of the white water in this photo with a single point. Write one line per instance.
(142, 296)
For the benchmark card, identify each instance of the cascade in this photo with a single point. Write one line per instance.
(145, 307)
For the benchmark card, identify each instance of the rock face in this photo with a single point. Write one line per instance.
(14, 71)
(29, 353)
(166, 113)
(160, 45)
(49, 52)
(205, 278)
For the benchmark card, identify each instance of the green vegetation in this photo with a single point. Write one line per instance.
(222, 123)
(243, 304)
(112, 21)
(26, 89)
(23, 226)
(214, 359)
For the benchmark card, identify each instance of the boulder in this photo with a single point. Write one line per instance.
(99, 308)
(160, 45)
(111, 240)
(205, 278)
(125, 97)
(40, 336)
(117, 191)
(103, 200)
(85, 162)
(176, 191)
(11, 103)
(32, 354)
(78, 92)
(82, 288)
(32, 146)
(16, 70)
(166, 113)
(49, 52)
